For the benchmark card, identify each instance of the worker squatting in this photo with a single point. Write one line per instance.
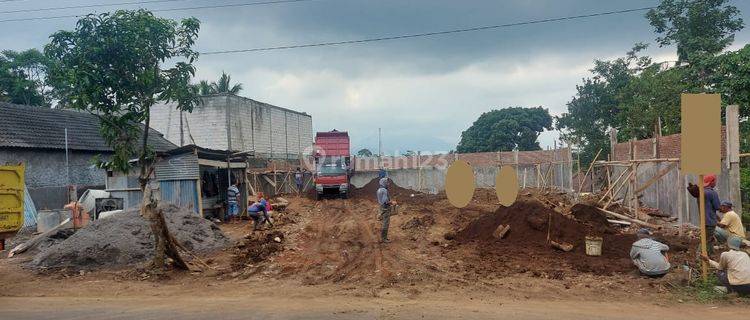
(732, 266)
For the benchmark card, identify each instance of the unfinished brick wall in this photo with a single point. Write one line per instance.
(668, 147)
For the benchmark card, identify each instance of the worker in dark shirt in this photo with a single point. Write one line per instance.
(712, 204)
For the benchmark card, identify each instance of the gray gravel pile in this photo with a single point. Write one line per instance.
(126, 239)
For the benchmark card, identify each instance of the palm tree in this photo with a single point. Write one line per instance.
(204, 88)
(222, 86)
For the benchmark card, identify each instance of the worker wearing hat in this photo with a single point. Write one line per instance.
(733, 267)
(730, 224)
(711, 205)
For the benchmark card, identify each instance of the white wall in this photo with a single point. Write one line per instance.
(267, 130)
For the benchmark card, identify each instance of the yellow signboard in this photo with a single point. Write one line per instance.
(701, 133)
(11, 198)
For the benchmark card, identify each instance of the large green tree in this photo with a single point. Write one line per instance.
(116, 66)
(22, 77)
(698, 28)
(364, 152)
(505, 130)
(597, 106)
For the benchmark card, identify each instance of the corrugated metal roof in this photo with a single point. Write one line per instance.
(182, 166)
(37, 127)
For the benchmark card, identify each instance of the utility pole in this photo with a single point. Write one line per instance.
(67, 163)
(182, 133)
(380, 149)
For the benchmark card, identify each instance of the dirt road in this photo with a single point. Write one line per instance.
(253, 307)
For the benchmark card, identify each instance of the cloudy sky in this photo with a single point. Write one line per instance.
(422, 92)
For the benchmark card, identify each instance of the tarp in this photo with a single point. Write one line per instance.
(29, 211)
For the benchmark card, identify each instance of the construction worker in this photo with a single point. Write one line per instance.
(733, 268)
(258, 211)
(730, 224)
(386, 206)
(233, 208)
(298, 180)
(649, 255)
(711, 205)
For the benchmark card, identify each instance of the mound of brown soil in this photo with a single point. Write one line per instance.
(397, 193)
(592, 217)
(525, 247)
(256, 248)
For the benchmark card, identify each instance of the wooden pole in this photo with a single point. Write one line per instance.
(629, 219)
(613, 185)
(702, 210)
(733, 155)
(680, 201)
(631, 190)
(614, 194)
(589, 169)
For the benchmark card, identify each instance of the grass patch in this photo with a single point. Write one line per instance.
(702, 291)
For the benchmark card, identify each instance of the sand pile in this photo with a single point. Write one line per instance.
(126, 239)
(525, 247)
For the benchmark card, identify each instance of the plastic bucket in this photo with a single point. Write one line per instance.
(594, 246)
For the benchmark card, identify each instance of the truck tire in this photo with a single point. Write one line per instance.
(345, 195)
(317, 196)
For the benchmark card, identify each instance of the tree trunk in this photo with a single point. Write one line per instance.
(164, 243)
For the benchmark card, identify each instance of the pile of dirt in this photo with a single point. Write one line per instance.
(257, 247)
(126, 239)
(341, 245)
(525, 247)
(592, 217)
(400, 194)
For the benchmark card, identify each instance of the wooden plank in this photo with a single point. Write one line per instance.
(614, 194)
(702, 213)
(655, 178)
(589, 169)
(680, 201)
(629, 219)
(269, 181)
(612, 186)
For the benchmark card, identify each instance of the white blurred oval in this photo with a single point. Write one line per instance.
(459, 183)
(506, 185)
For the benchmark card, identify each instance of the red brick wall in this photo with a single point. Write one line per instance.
(669, 147)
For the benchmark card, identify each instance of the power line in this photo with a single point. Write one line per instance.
(87, 6)
(428, 34)
(168, 10)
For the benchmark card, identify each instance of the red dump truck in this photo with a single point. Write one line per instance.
(333, 165)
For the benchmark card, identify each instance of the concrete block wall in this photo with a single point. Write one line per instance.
(45, 173)
(206, 126)
(268, 130)
(432, 179)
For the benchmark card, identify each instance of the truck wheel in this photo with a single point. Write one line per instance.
(344, 195)
(317, 196)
